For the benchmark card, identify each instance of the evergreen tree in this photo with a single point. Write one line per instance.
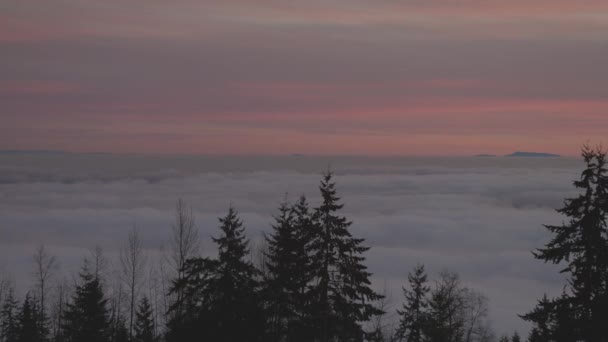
(413, 316)
(446, 310)
(119, 331)
(86, 317)
(144, 324)
(220, 299)
(306, 232)
(342, 297)
(515, 337)
(542, 319)
(30, 322)
(582, 244)
(191, 316)
(236, 307)
(288, 273)
(9, 321)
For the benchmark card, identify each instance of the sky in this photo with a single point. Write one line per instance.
(382, 77)
(479, 217)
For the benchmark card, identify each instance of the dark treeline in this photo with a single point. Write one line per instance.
(308, 283)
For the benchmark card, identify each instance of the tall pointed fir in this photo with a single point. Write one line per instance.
(446, 318)
(413, 315)
(342, 297)
(192, 315)
(581, 244)
(288, 273)
(86, 317)
(9, 318)
(236, 306)
(515, 337)
(30, 324)
(144, 322)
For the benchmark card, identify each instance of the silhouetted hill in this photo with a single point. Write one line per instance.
(32, 152)
(532, 154)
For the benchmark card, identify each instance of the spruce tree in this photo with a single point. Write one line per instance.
(191, 317)
(236, 314)
(542, 319)
(413, 316)
(581, 244)
(9, 321)
(446, 318)
(30, 322)
(86, 317)
(342, 297)
(118, 330)
(144, 324)
(288, 275)
(280, 267)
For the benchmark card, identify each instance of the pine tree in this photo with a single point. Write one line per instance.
(144, 324)
(582, 244)
(30, 322)
(342, 298)
(515, 337)
(413, 316)
(288, 273)
(86, 317)
(9, 322)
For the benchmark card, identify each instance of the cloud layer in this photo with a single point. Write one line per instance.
(339, 77)
(479, 217)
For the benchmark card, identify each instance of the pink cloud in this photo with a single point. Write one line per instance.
(38, 87)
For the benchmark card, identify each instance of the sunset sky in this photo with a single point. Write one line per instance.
(382, 77)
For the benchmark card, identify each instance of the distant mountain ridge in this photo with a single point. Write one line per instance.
(532, 154)
(520, 154)
(33, 152)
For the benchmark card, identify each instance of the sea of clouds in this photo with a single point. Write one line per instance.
(480, 217)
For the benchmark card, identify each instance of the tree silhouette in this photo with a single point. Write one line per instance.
(9, 322)
(191, 316)
(342, 298)
(288, 273)
(446, 318)
(31, 327)
(144, 322)
(414, 314)
(582, 244)
(238, 315)
(86, 317)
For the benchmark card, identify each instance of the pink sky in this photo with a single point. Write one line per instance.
(432, 77)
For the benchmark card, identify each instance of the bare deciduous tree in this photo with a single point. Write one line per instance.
(153, 294)
(185, 243)
(44, 267)
(99, 262)
(382, 324)
(5, 285)
(62, 293)
(476, 317)
(132, 260)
